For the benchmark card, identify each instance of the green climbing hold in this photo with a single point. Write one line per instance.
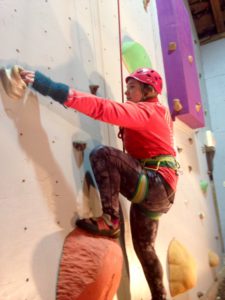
(204, 185)
(135, 56)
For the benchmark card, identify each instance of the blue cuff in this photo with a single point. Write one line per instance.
(45, 86)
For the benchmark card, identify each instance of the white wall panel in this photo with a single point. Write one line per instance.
(42, 187)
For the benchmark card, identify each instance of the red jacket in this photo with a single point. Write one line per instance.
(148, 128)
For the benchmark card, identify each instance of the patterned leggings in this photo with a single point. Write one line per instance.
(117, 172)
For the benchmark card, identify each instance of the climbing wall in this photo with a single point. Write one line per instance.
(42, 187)
(45, 147)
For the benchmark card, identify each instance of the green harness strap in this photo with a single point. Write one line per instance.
(150, 214)
(141, 189)
(156, 162)
(141, 192)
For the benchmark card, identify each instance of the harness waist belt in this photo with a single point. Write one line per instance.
(156, 162)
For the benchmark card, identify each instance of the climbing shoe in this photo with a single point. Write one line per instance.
(102, 225)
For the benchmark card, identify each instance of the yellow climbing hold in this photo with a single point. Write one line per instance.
(182, 269)
(214, 259)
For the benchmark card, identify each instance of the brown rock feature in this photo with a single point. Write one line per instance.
(90, 267)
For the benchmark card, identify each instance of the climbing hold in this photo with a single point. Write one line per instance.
(201, 215)
(93, 88)
(146, 3)
(79, 148)
(198, 106)
(172, 46)
(177, 106)
(179, 149)
(200, 294)
(182, 269)
(79, 145)
(214, 259)
(135, 56)
(204, 185)
(190, 59)
(90, 267)
(190, 140)
(12, 82)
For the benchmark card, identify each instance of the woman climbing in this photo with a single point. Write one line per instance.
(146, 173)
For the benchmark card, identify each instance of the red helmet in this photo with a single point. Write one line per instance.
(147, 76)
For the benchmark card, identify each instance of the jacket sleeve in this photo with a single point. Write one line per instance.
(47, 87)
(129, 114)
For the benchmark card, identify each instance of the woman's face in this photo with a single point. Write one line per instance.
(134, 91)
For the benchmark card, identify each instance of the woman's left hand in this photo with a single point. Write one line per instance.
(27, 76)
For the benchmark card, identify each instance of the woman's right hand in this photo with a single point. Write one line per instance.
(27, 76)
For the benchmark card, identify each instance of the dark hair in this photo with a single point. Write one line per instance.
(148, 88)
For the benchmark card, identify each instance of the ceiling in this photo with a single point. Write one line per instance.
(209, 19)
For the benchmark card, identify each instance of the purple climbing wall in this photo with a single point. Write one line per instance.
(179, 62)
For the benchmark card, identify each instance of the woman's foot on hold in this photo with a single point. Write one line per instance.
(103, 225)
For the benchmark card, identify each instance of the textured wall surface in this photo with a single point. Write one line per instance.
(90, 267)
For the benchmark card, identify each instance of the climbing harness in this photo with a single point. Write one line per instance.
(149, 214)
(142, 188)
(156, 162)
